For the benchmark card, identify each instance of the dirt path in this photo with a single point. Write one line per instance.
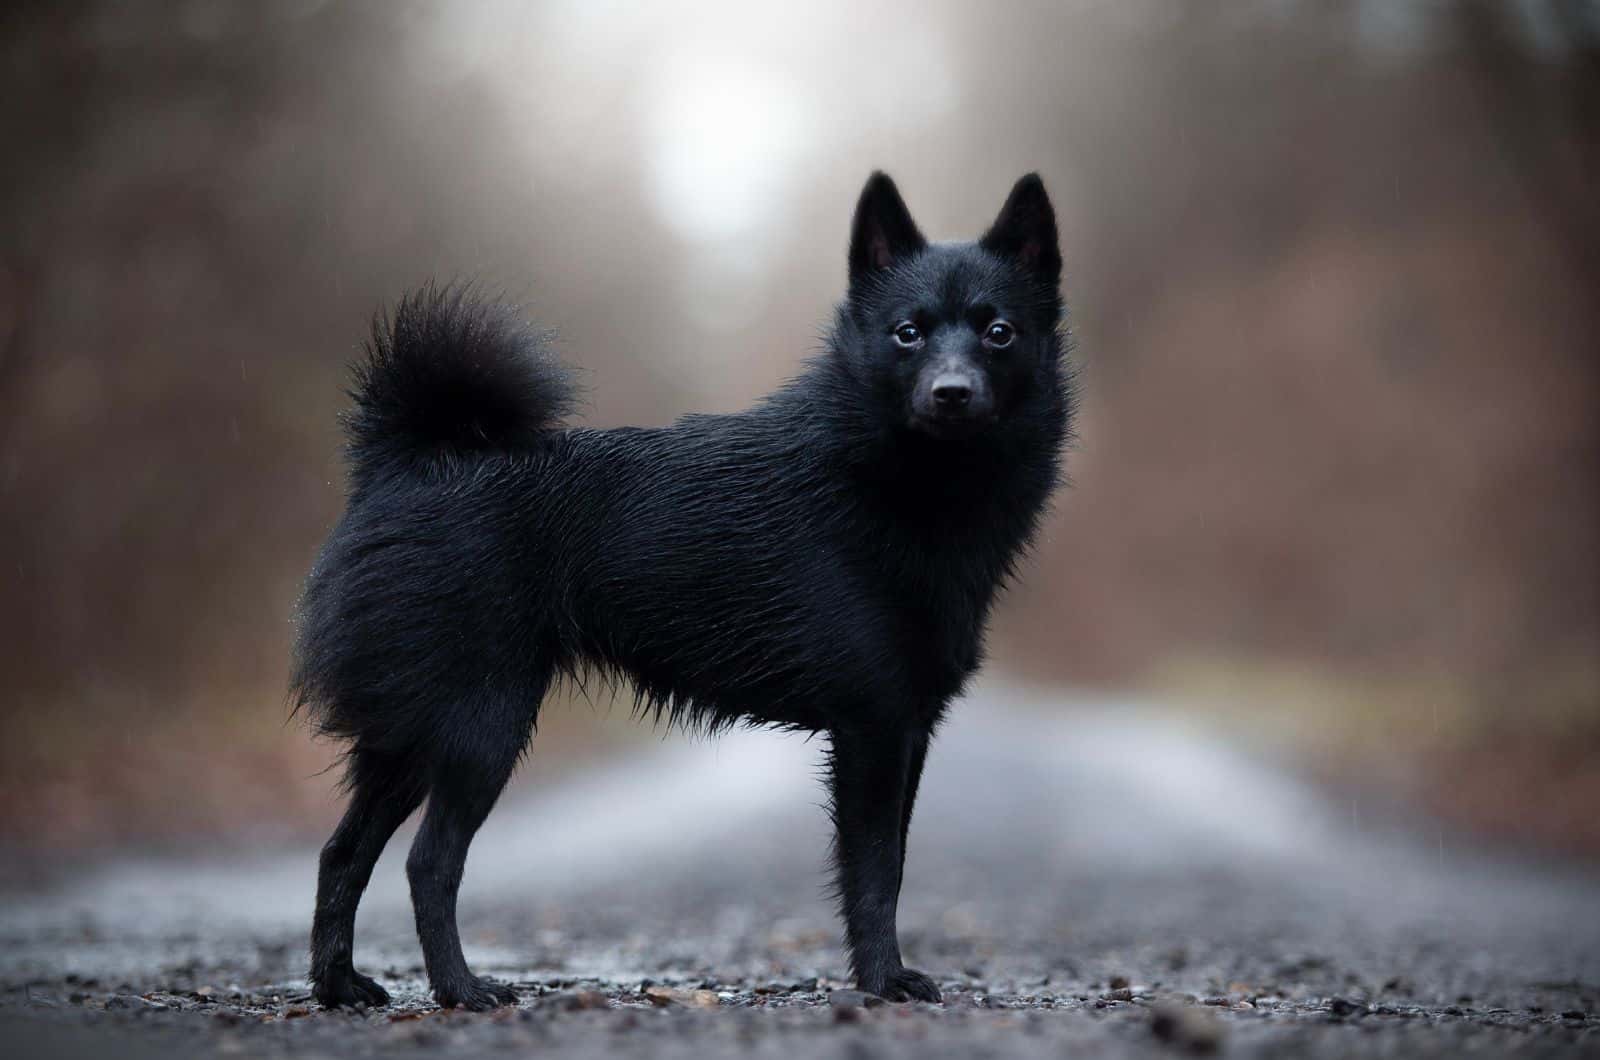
(1097, 878)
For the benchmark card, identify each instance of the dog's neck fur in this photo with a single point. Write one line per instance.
(976, 501)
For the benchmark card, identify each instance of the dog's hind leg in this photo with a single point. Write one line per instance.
(383, 793)
(469, 772)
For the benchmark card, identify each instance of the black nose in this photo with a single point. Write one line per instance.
(951, 393)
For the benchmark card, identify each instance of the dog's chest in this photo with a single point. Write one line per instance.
(935, 590)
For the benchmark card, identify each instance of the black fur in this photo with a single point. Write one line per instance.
(824, 561)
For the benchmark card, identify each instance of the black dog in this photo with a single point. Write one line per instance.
(824, 561)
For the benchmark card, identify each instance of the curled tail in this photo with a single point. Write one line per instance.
(447, 373)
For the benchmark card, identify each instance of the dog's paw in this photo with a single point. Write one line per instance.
(349, 989)
(908, 984)
(475, 994)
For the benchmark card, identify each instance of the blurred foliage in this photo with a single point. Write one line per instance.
(1333, 269)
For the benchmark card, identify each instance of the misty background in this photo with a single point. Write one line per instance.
(1332, 269)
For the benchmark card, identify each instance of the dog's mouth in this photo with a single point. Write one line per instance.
(952, 427)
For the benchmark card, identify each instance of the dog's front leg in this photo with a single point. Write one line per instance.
(870, 777)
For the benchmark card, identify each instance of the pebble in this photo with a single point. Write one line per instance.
(665, 996)
(1187, 1029)
(847, 1004)
(582, 999)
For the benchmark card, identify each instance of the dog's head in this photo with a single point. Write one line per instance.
(953, 335)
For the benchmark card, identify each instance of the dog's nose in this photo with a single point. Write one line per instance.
(952, 392)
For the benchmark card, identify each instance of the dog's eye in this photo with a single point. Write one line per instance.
(908, 334)
(999, 335)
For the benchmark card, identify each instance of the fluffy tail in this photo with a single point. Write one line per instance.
(448, 374)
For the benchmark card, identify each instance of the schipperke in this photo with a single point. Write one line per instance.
(825, 562)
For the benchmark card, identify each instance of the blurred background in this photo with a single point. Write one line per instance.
(1333, 270)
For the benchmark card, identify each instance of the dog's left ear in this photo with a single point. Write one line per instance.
(1025, 231)
(883, 231)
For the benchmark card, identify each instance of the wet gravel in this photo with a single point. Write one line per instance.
(710, 1017)
(1090, 883)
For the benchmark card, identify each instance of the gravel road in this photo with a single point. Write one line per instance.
(1094, 877)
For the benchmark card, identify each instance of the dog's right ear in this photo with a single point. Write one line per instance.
(883, 231)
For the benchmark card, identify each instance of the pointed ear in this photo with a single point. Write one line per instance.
(1025, 231)
(883, 231)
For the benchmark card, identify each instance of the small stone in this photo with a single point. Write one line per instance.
(1120, 993)
(132, 1002)
(582, 999)
(1342, 1007)
(1187, 1029)
(847, 1004)
(666, 997)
